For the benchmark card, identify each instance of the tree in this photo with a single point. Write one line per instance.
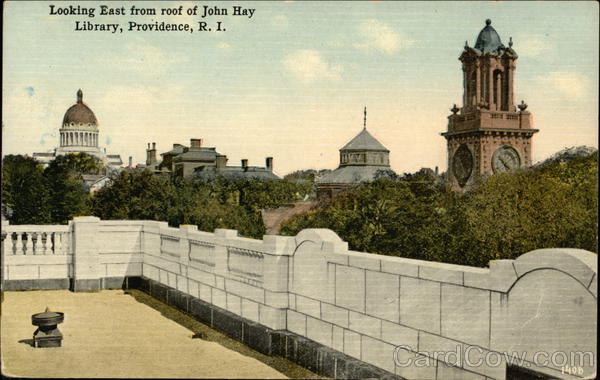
(555, 205)
(24, 190)
(68, 196)
(134, 195)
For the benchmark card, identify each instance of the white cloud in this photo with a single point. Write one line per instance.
(308, 65)
(533, 45)
(381, 36)
(570, 85)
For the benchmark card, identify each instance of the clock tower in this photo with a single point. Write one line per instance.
(488, 134)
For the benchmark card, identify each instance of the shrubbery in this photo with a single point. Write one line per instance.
(56, 193)
(508, 215)
(553, 205)
(53, 194)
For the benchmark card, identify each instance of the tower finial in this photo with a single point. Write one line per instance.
(79, 96)
(510, 43)
(365, 119)
(488, 22)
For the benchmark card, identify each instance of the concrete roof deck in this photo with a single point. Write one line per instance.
(110, 334)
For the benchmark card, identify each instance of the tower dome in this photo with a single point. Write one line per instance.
(488, 40)
(80, 114)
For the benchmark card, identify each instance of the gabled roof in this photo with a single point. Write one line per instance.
(364, 141)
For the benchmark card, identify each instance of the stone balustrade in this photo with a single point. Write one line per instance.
(36, 240)
(389, 312)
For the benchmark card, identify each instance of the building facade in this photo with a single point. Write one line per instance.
(489, 134)
(204, 163)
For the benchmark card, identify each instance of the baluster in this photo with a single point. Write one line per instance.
(8, 244)
(19, 245)
(58, 248)
(48, 243)
(29, 243)
(37, 243)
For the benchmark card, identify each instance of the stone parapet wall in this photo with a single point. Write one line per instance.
(390, 311)
(411, 318)
(246, 277)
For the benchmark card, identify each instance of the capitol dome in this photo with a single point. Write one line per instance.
(79, 114)
(79, 131)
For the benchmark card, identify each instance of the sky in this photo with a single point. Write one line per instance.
(291, 81)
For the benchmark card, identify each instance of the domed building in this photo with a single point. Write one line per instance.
(363, 159)
(79, 130)
(79, 134)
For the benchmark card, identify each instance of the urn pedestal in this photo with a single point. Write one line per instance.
(47, 333)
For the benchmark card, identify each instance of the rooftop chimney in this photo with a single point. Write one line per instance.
(195, 143)
(130, 161)
(244, 163)
(221, 161)
(151, 155)
(269, 163)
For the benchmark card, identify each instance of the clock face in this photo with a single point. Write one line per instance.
(462, 164)
(505, 158)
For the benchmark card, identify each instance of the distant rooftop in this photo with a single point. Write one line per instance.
(236, 172)
(364, 141)
(353, 174)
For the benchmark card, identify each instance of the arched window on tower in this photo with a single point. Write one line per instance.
(472, 88)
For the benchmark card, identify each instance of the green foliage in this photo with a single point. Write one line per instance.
(51, 195)
(80, 163)
(305, 176)
(508, 215)
(24, 190)
(413, 216)
(555, 206)
(64, 177)
(219, 203)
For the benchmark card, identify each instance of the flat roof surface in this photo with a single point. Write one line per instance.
(110, 334)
